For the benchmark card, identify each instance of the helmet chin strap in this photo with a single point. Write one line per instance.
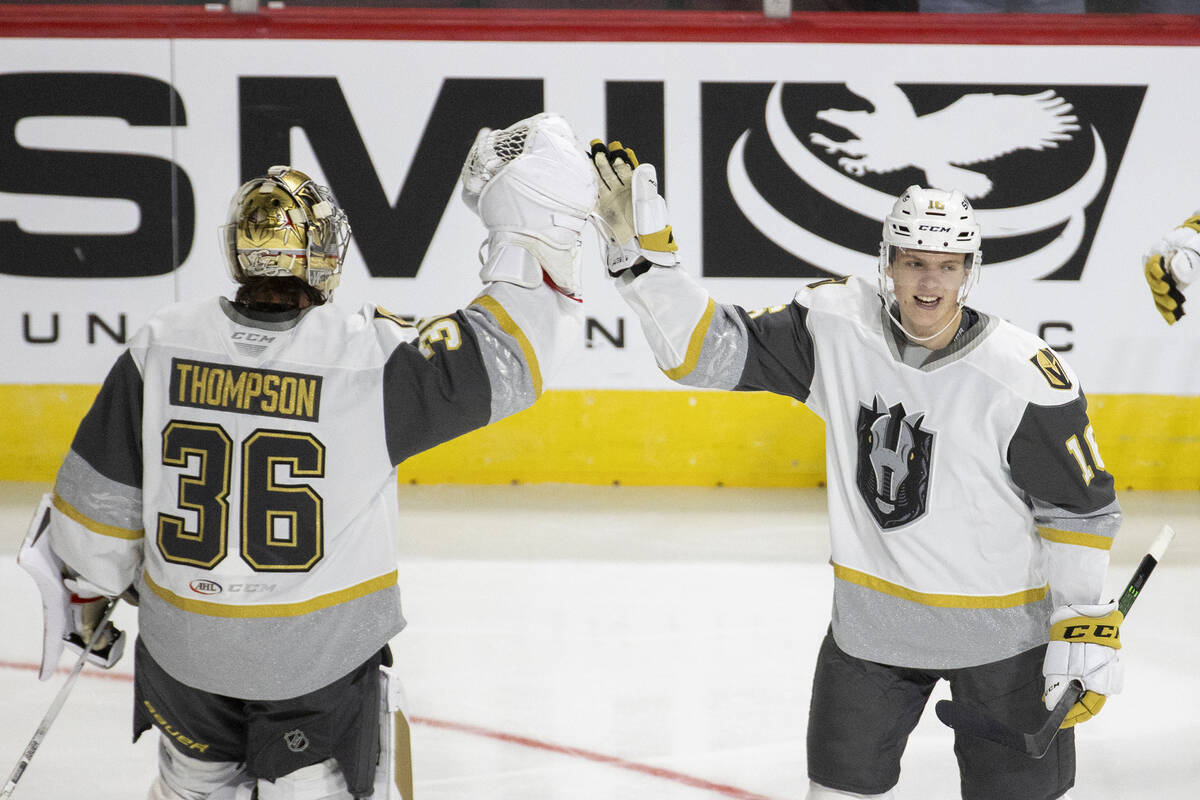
(920, 339)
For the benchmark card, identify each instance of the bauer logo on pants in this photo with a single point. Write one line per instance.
(894, 458)
(798, 177)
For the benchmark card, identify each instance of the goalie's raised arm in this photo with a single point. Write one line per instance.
(533, 188)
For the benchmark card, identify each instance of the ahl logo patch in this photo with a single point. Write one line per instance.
(797, 177)
(895, 455)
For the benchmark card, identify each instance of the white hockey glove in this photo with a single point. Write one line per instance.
(1084, 640)
(71, 608)
(533, 187)
(630, 216)
(1171, 265)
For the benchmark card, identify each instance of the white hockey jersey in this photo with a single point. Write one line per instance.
(239, 468)
(967, 496)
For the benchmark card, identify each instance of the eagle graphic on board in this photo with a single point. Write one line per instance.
(974, 129)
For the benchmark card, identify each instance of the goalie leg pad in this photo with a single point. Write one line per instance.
(818, 792)
(182, 777)
(323, 781)
(394, 775)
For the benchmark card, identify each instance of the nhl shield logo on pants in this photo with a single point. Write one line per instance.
(894, 458)
(296, 741)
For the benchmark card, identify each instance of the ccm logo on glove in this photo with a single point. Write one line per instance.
(1073, 632)
(1104, 630)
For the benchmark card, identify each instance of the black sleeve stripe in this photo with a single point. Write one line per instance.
(781, 357)
(430, 401)
(109, 438)
(1044, 466)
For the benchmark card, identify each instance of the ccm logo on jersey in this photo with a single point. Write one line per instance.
(205, 586)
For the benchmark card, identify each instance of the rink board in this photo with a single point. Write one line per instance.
(123, 138)
(650, 438)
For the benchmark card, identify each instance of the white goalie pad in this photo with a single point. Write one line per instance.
(393, 775)
(58, 629)
(533, 188)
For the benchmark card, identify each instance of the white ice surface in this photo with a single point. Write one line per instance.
(600, 643)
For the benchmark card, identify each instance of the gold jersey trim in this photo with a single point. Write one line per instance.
(69, 511)
(210, 609)
(1076, 538)
(492, 305)
(695, 343)
(939, 600)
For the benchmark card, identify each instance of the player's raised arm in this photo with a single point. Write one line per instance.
(1171, 265)
(695, 340)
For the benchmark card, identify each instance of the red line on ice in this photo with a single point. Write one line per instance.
(510, 738)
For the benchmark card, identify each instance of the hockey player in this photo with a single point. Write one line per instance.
(238, 471)
(1171, 265)
(970, 514)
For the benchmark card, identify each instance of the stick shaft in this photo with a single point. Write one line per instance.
(55, 706)
(975, 722)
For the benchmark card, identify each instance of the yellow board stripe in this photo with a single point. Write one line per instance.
(514, 330)
(68, 510)
(1075, 537)
(694, 344)
(647, 437)
(210, 609)
(938, 600)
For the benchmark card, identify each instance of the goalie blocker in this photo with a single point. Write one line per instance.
(70, 606)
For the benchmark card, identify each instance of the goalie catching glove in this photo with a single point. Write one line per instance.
(1171, 265)
(1084, 640)
(533, 188)
(630, 216)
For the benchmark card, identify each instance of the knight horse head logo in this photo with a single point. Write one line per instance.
(894, 458)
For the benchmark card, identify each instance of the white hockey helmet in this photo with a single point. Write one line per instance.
(933, 220)
(284, 223)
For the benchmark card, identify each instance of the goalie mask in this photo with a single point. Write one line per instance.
(285, 224)
(931, 220)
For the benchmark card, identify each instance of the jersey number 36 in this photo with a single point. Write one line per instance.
(281, 522)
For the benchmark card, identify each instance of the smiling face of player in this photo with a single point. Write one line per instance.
(926, 285)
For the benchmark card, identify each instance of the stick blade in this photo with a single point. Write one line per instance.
(973, 722)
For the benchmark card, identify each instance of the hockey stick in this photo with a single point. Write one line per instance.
(55, 707)
(973, 721)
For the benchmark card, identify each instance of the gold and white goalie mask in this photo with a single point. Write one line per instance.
(285, 224)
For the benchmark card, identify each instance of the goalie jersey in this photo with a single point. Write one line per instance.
(967, 496)
(239, 469)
